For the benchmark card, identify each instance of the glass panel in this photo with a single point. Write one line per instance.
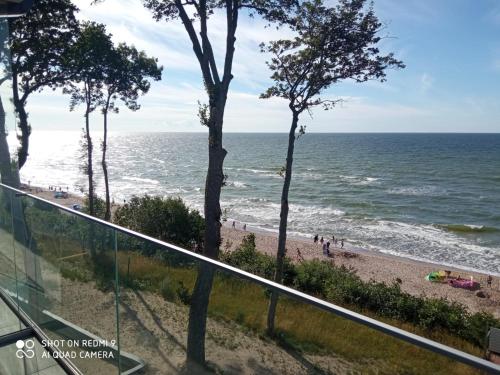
(30, 358)
(71, 268)
(7, 256)
(157, 293)
(68, 286)
(155, 284)
(9, 322)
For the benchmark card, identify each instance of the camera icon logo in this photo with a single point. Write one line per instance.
(25, 349)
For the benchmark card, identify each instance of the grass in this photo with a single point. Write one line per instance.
(304, 328)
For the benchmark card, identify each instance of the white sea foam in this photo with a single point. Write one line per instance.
(259, 172)
(418, 190)
(237, 184)
(139, 179)
(253, 196)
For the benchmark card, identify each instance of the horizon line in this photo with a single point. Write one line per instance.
(268, 132)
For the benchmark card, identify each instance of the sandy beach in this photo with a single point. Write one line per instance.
(369, 265)
(381, 267)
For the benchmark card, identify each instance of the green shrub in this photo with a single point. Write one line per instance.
(168, 219)
(313, 277)
(167, 290)
(477, 326)
(183, 294)
(247, 258)
(342, 285)
(99, 206)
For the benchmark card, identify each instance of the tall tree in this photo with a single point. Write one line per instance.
(6, 172)
(127, 74)
(39, 42)
(331, 45)
(87, 63)
(195, 14)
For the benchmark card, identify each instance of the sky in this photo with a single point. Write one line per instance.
(451, 82)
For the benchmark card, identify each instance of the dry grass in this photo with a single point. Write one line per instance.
(302, 327)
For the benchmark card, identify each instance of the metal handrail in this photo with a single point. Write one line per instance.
(403, 335)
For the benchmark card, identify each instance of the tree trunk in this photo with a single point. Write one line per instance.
(22, 152)
(90, 171)
(20, 229)
(7, 174)
(212, 211)
(107, 214)
(280, 256)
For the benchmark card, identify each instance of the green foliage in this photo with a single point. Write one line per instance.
(127, 76)
(39, 43)
(99, 206)
(175, 291)
(168, 219)
(312, 277)
(87, 61)
(331, 44)
(343, 286)
(247, 258)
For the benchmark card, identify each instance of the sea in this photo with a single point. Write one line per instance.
(431, 197)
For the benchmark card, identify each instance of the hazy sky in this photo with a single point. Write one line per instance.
(451, 83)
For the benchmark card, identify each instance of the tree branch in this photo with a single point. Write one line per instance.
(232, 22)
(188, 25)
(208, 54)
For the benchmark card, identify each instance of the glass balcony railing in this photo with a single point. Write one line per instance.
(104, 300)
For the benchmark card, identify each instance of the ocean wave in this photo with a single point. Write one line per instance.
(366, 181)
(138, 179)
(177, 190)
(358, 180)
(262, 171)
(237, 184)
(467, 228)
(309, 176)
(418, 191)
(274, 173)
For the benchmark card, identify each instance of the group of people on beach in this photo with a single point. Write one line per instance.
(244, 226)
(325, 244)
(57, 188)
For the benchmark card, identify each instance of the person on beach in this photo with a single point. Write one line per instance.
(244, 227)
(342, 243)
(333, 239)
(321, 240)
(324, 249)
(234, 224)
(300, 258)
(316, 239)
(328, 248)
(489, 280)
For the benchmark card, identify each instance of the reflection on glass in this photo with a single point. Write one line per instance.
(33, 360)
(81, 280)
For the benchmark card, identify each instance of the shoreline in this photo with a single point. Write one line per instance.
(369, 265)
(363, 251)
(380, 267)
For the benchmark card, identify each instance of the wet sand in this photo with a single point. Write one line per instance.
(371, 265)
